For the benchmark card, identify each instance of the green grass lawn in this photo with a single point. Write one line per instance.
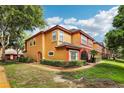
(107, 69)
(24, 76)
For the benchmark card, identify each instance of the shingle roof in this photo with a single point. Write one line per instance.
(99, 43)
(12, 51)
(68, 45)
(71, 31)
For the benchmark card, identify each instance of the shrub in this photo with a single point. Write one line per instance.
(53, 63)
(25, 60)
(58, 63)
(74, 64)
(84, 63)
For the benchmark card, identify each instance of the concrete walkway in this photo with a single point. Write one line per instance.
(3, 80)
(60, 69)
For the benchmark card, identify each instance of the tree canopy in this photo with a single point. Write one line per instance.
(114, 39)
(14, 20)
(118, 21)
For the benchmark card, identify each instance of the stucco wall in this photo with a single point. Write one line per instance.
(32, 51)
(51, 46)
(76, 39)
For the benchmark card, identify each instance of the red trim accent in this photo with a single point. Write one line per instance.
(79, 55)
(67, 55)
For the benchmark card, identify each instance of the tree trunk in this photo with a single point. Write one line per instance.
(114, 58)
(17, 53)
(3, 54)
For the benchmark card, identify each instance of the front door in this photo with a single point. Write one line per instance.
(84, 55)
(39, 56)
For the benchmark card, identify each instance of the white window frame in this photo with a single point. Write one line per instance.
(49, 52)
(54, 33)
(83, 38)
(77, 56)
(61, 36)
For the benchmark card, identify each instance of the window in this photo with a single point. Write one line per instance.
(83, 40)
(51, 53)
(90, 43)
(54, 36)
(30, 43)
(73, 55)
(61, 36)
(34, 42)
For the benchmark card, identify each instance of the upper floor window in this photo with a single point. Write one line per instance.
(61, 36)
(30, 43)
(54, 36)
(90, 43)
(84, 39)
(34, 42)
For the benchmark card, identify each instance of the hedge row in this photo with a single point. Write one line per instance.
(25, 60)
(58, 63)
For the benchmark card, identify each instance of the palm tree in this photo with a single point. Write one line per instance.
(93, 53)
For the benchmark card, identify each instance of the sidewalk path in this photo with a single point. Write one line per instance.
(3, 80)
(60, 69)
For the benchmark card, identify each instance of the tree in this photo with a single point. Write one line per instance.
(93, 53)
(18, 42)
(114, 39)
(118, 21)
(16, 19)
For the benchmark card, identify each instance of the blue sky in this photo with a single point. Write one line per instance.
(77, 11)
(96, 20)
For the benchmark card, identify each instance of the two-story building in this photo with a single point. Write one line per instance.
(99, 48)
(58, 43)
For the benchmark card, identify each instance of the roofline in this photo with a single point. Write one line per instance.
(84, 33)
(98, 43)
(67, 46)
(34, 35)
(61, 28)
(58, 27)
(50, 29)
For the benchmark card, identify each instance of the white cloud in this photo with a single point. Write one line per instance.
(101, 22)
(70, 21)
(96, 26)
(54, 20)
(69, 26)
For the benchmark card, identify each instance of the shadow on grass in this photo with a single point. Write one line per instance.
(117, 60)
(120, 61)
(8, 63)
(109, 66)
(103, 70)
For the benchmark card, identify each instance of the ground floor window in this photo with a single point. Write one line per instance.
(50, 53)
(73, 55)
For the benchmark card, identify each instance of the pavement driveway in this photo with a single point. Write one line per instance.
(3, 80)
